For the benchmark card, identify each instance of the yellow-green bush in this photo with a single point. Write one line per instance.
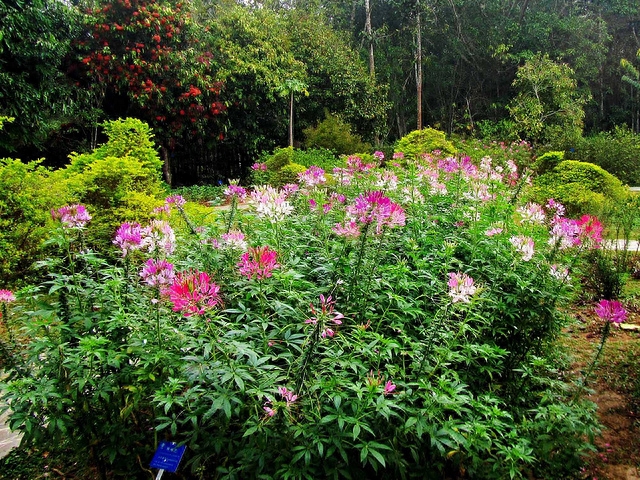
(424, 141)
(582, 187)
(334, 134)
(287, 174)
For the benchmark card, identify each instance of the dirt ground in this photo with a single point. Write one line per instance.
(616, 390)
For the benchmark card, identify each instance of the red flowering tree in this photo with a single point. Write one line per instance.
(155, 55)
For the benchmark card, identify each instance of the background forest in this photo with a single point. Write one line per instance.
(218, 80)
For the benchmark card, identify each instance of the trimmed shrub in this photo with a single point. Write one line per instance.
(583, 188)
(287, 174)
(548, 161)
(424, 141)
(334, 134)
(320, 157)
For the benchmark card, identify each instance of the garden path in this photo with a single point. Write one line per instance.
(8, 439)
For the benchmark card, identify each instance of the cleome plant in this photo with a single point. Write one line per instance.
(389, 323)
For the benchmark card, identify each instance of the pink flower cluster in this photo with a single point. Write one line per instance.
(234, 239)
(375, 208)
(71, 216)
(262, 167)
(287, 395)
(193, 293)
(532, 213)
(524, 245)
(258, 263)
(7, 296)
(157, 273)
(312, 176)
(235, 191)
(461, 287)
(158, 236)
(611, 311)
(177, 200)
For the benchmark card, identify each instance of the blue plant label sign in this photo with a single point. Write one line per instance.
(168, 456)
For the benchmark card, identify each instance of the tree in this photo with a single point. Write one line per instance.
(150, 53)
(35, 43)
(288, 88)
(548, 107)
(632, 77)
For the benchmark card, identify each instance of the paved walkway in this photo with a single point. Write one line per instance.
(8, 439)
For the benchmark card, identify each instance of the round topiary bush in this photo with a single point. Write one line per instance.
(583, 188)
(424, 141)
(287, 174)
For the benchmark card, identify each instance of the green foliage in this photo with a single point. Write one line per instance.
(319, 157)
(500, 152)
(213, 194)
(27, 194)
(422, 141)
(547, 161)
(583, 188)
(335, 135)
(279, 158)
(616, 151)
(548, 108)
(287, 174)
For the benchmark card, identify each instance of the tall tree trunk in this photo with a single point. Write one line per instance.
(369, 32)
(419, 65)
(166, 165)
(291, 120)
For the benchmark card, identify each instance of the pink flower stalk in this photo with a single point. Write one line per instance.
(289, 189)
(157, 273)
(271, 203)
(590, 230)
(398, 155)
(259, 166)
(71, 216)
(269, 411)
(235, 191)
(177, 200)
(287, 395)
(532, 213)
(387, 180)
(611, 311)
(129, 237)
(379, 156)
(193, 293)
(326, 316)
(479, 192)
(7, 296)
(556, 207)
(389, 388)
(461, 287)
(493, 231)
(448, 165)
(524, 245)
(312, 176)
(258, 263)
(234, 240)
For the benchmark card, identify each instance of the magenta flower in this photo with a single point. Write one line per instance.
(611, 311)
(269, 411)
(493, 231)
(193, 293)
(259, 166)
(389, 387)
(461, 287)
(235, 191)
(157, 273)
(7, 296)
(71, 216)
(327, 316)
(129, 237)
(349, 229)
(258, 263)
(565, 233)
(590, 230)
(375, 208)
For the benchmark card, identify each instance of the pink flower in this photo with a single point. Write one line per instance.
(258, 263)
(590, 230)
(524, 245)
(312, 176)
(379, 156)
(159, 236)
(7, 296)
(564, 233)
(398, 155)
(287, 395)
(259, 166)
(271, 203)
(349, 229)
(556, 207)
(493, 231)
(235, 191)
(374, 207)
(269, 411)
(532, 213)
(177, 200)
(389, 387)
(157, 273)
(72, 216)
(129, 237)
(193, 292)
(611, 311)
(461, 287)
(233, 239)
